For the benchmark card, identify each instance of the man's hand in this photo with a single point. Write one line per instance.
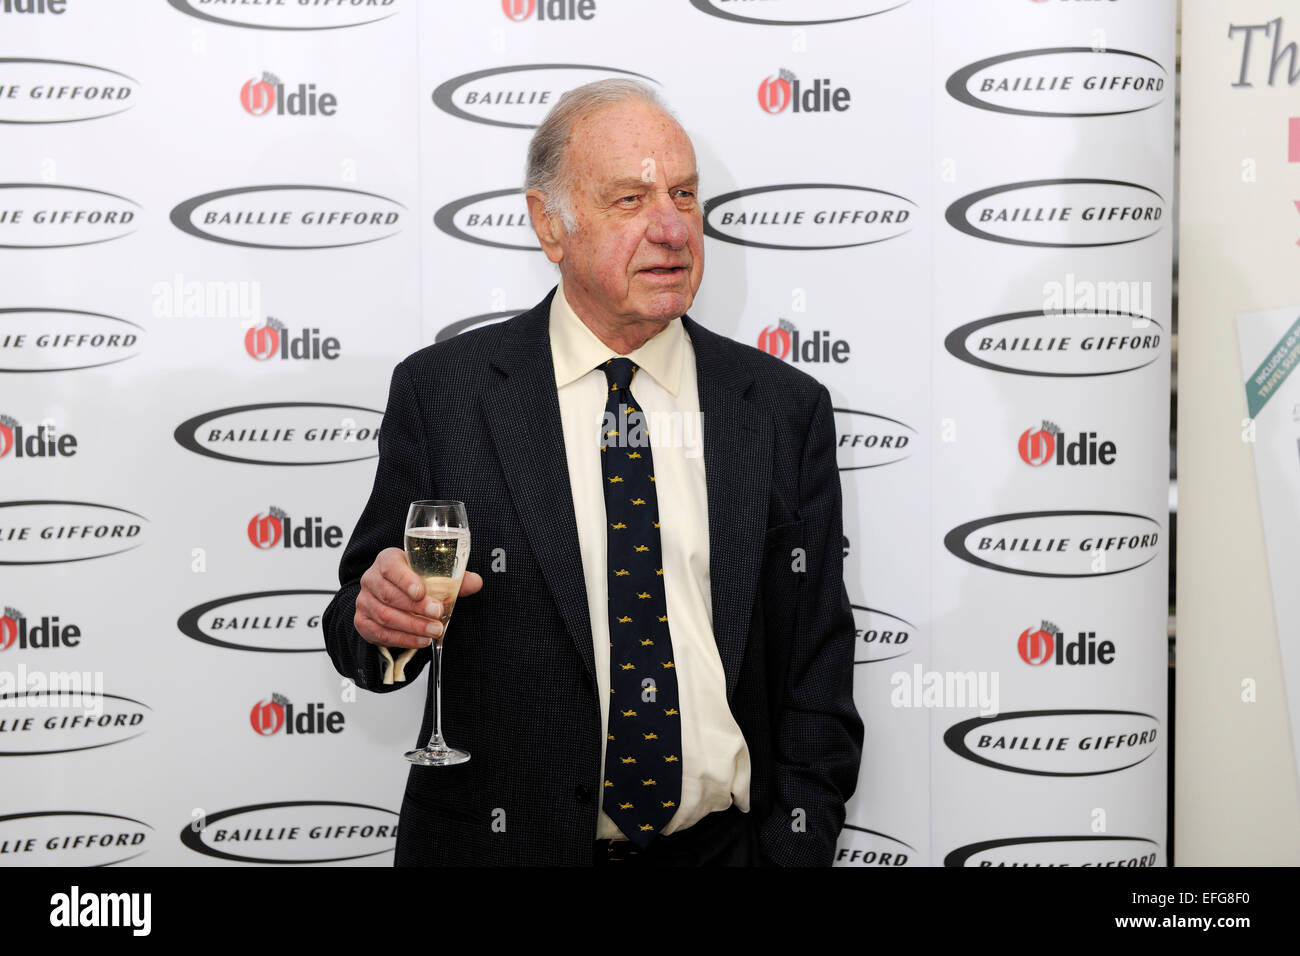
(392, 607)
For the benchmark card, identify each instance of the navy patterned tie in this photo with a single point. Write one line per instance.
(643, 749)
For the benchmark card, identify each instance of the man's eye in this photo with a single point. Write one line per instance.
(685, 194)
(628, 200)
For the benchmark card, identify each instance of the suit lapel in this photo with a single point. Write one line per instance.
(523, 418)
(737, 467)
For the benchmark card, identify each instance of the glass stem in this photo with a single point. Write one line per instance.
(436, 740)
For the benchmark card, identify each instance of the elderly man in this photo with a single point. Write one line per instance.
(658, 668)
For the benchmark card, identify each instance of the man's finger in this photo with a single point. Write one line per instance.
(392, 564)
(471, 583)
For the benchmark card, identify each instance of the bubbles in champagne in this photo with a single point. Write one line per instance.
(439, 556)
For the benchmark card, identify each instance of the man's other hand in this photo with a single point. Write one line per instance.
(392, 607)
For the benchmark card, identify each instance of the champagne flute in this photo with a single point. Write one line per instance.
(437, 548)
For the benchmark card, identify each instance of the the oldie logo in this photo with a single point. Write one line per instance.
(784, 341)
(34, 91)
(498, 219)
(1065, 344)
(290, 217)
(795, 13)
(552, 10)
(274, 714)
(783, 91)
(473, 322)
(1057, 544)
(517, 97)
(1047, 643)
(59, 720)
(294, 831)
(289, 15)
(284, 433)
(274, 528)
(44, 216)
(72, 838)
(17, 633)
(1047, 444)
(273, 622)
(34, 6)
(1075, 81)
(1060, 213)
(1053, 851)
(273, 340)
(858, 846)
(868, 440)
(1056, 743)
(64, 340)
(43, 441)
(807, 216)
(58, 532)
(260, 96)
(881, 636)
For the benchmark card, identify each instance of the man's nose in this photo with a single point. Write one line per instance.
(667, 224)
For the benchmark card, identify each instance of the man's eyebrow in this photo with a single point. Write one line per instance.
(634, 183)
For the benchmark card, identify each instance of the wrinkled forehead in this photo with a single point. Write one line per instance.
(627, 139)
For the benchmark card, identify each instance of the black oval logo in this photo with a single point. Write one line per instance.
(64, 716)
(336, 832)
(73, 838)
(1064, 344)
(45, 216)
(261, 618)
(73, 92)
(65, 340)
(326, 439)
(1060, 213)
(297, 217)
(1074, 544)
(517, 108)
(807, 216)
(881, 636)
(500, 220)
(1070, 743)
(1086, 850)
(866, 441)
(50, 531)
(1078, 81)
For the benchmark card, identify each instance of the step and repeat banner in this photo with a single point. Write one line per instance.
(222, 224)
(1239, 436)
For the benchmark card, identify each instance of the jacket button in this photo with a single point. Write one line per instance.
(583, 793)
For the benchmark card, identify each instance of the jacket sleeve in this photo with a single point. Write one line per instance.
(402, 476)
(818, 734)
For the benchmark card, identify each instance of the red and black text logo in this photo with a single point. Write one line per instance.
(41, 443)
(273, 341)
(778, 93)
(266, 96)
(1047, 445)
(274, 528)
(1048, 644)
(521, 10)
(785, 342)
(269, 717)
(16, 633)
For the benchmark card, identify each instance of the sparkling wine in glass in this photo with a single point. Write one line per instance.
(437, 548)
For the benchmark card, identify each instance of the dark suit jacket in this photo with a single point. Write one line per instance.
(477, 419)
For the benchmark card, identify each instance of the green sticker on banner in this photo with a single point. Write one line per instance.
(1273, 371)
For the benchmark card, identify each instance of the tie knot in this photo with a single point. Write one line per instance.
(619, 372)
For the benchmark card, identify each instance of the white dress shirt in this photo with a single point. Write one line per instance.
(715, 758)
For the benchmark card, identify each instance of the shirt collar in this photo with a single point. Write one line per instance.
(575, 350)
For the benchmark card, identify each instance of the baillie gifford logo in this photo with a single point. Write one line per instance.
(273, 340)
(261, 97)
(521, 10)
(1047, 445)
(269, 716)
(15, 441)
(274, 528)
(1038, 646)
(784, 342)
(778, 93)
(15, 632)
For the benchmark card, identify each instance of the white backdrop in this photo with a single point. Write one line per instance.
(221, 225)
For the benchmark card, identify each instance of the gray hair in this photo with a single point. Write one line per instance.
(547, 169)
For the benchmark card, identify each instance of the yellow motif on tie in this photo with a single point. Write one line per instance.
(646, 826)
(669, 803)
(638, 501)
(644, 595)
(621, 571)
(631, 759)
(618, 527)
(668, 664)
(656, 524)
(615, 480)
(625, 620)
(611, 434)
(651, 736)
(629, 713)
(634, 454)
(670, 712)
(649, 783)
(647, 643)
(625, 806)
(609, 783)
(611, 737)
(652, 477)
(659, 571)
(628, 667)
(663, 618)
(643, 547)
(671, 758)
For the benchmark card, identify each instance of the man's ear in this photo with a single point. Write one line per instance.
(548, 228)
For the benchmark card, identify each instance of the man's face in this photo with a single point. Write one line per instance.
(636, 259)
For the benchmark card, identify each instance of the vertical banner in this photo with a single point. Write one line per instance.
(221, 225)
(1239, 437)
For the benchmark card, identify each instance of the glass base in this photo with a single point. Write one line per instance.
(437, 755)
